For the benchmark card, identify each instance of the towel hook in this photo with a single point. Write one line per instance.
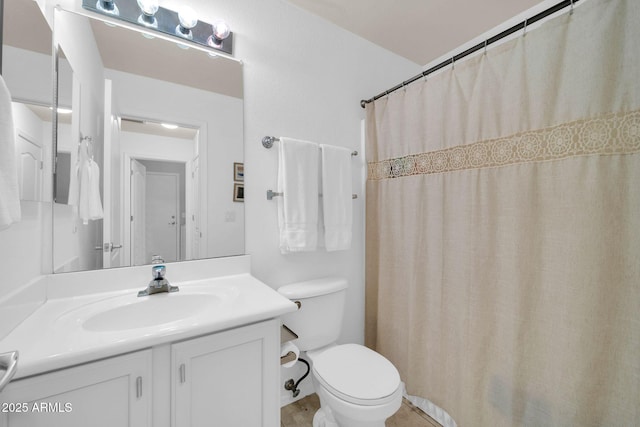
(89, 145)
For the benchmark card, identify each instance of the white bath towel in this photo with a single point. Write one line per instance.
(9, 193)
(298, 207)
(337, 203)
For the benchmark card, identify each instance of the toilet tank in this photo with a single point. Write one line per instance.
(318, 321)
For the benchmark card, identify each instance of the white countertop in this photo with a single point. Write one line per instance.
(63, 332)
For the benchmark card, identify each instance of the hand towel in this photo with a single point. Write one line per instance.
(337, 203)
(89, 204)
(74, 186)
(298, 207)
(95, 204)
(84, 187)
(9, 193)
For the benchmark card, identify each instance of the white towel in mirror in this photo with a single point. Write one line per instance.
(9, 193)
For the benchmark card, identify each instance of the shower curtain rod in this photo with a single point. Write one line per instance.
(522, 25)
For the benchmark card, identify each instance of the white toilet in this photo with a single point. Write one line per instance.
(357, 386)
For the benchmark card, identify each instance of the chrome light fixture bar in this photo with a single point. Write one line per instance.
(182, 25)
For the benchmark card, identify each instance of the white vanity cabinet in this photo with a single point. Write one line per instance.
(114, 392)
(228, 379)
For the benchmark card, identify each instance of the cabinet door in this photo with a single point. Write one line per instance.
(110, 393)
(228, 379)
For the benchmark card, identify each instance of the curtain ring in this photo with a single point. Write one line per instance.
(424, 75)
(524, 31)
(404, 87)
(571, 10)
(453, 62)
(485, 47)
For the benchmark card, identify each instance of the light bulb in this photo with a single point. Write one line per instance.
(148, 7)
(221, 29)
(107, 6)
(188, 18)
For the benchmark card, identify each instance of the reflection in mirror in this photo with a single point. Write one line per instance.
(64, 158)
(26, 70)
(158, 190)
(158, 128)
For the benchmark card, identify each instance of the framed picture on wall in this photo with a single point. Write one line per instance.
(238, 172)
(238, 192)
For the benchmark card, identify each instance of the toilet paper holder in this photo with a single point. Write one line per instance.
(286, 335)
(289, 357)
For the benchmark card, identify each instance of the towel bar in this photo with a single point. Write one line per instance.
(267, 142)
(271, 194)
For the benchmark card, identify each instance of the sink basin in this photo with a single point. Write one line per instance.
(125, 312)
(155, 310)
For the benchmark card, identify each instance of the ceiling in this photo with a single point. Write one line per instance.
(25, 27)
(419, 30)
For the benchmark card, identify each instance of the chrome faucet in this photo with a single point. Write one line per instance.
(159, 283)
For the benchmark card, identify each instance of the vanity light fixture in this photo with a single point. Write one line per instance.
(183, 23)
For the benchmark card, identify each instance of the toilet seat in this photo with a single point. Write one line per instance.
(357, 375)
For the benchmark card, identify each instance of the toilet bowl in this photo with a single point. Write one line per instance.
(357, 387)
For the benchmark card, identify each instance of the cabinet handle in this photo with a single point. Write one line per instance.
(139, 387)
(183, 374)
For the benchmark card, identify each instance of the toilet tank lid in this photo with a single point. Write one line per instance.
(313, 288)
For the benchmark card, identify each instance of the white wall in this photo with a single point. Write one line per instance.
(27, 75)
(20, 249)
(73, 34)
(23, 256)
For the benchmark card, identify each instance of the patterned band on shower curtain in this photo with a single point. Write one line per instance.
(503, 227)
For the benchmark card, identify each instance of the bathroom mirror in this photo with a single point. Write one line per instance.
(27, 73)
(160, 128)
(26, 70)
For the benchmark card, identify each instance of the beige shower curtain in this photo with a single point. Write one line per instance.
(503, 227)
